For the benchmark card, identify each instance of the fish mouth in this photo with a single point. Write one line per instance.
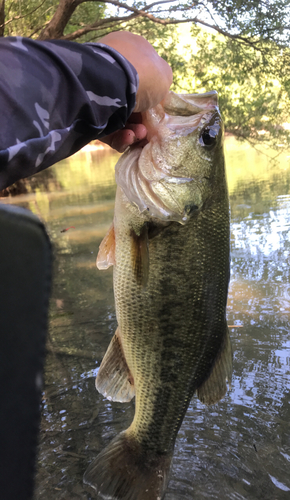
(144, 173)
(161, 196)
(190, 104)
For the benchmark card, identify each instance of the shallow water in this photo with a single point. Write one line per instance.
(237, 449)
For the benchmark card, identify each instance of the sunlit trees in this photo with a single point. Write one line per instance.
(244, 52)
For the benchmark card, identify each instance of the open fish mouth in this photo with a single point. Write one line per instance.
(190, 104)
(145, 174)
(154, 197)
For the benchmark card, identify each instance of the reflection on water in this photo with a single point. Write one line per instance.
(237, 449)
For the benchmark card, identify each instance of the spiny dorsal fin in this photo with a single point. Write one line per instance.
(140, 255)
(106, 255)
(215, 386)
(114, 379)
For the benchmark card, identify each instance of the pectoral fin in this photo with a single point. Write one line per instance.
(215, 386)
(140, 255)
(106, 255)
(114, 379)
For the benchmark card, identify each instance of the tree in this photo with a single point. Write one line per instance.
(249, 21)
(245, 56)
(32, 17)
(253, 85)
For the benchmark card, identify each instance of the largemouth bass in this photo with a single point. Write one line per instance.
(169, 244)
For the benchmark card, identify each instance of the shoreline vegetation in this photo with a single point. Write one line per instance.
(94, 166)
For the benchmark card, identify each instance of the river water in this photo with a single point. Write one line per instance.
(238, 449)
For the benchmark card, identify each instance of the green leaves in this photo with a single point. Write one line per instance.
(244, 54)
(253, 85)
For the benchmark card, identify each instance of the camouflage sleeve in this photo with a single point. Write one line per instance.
(55, 97)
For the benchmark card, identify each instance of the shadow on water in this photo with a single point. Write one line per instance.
(237, 449)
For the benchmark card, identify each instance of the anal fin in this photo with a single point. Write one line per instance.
(106, 254)
(215, 386)
(114, 379)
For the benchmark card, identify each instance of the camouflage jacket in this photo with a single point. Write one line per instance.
(55, 97)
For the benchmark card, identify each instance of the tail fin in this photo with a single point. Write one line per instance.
(122, 471)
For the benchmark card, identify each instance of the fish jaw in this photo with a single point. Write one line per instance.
(189, 104)
(171, 177)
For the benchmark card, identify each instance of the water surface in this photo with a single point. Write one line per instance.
(237, 449)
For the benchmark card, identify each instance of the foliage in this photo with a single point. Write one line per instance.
(29, 17)
(249, 21)
(244, 55)
(255, 20)
(83, 16)
(253, 86)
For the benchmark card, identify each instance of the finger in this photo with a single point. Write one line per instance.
(139, 130)
(121, 139)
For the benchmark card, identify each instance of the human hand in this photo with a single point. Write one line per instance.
(155, 75)
(134, 131)
(155, 78)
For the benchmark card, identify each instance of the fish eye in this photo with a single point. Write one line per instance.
(208, 137)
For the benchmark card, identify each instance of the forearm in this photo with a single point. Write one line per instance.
(55, 97)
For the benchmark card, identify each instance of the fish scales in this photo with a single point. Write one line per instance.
(171, 274)
(182, 304)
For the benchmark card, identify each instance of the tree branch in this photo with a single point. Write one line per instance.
(39, 28)
(16, 17)
(113, 29)
(138, 12)
(2, 17)
(101, 23)
(65, 9)
(61, 17)
(166, 22)
(151, 5)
